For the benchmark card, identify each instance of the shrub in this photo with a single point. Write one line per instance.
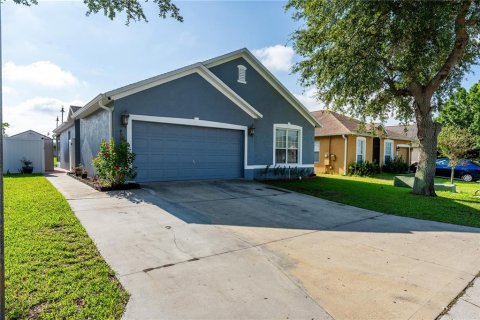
(363, 169)
(114, 163)
(396, 165)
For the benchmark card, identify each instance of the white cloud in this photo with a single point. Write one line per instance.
(37, 113)
(276, 58)
(43, 73)
(309, 99)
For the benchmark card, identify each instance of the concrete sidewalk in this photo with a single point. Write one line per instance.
(243, 250)
(467, 307)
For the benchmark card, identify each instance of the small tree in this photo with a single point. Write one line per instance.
(454, 143)
(114, 163)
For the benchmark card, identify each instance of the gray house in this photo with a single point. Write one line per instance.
(223, 118)
(65, 138)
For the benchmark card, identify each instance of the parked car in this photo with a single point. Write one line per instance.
(466, 170)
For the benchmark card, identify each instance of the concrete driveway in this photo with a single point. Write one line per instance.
(243, 250)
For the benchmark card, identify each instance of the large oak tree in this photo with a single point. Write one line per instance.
(375, 58)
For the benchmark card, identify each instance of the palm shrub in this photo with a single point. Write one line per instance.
(114, 163)
(396, 165)
(364, 168)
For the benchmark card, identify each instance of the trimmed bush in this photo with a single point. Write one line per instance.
(114, 163)
(396, 165)
(363, 169)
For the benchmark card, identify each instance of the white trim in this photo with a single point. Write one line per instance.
(288, 126)
(345, 148)
(384, 149)
(281, 165)
(364, 154)
(189, 122)
(402, 145)
(267, 75)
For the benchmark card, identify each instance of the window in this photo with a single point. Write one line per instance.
(316, 151)
(361, 149)
(287, 144)
(388, 150)
(242, 74)
(442, 162)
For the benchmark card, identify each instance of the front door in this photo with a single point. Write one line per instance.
(376, 150)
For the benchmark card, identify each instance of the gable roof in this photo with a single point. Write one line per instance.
(334, 124)
(267, 75)
(409, 131)
(201, 68)
(32, 132)
(198, 68)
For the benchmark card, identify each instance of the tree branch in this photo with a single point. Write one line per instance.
(461, 40)
(393, 88)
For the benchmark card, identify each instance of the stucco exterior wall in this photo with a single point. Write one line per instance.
(275, 109)
(94, 129)
(334, 145)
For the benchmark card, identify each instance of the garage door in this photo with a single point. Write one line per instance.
(179, 152)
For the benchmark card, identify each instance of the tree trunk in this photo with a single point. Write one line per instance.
(427, 135)
(452, 174)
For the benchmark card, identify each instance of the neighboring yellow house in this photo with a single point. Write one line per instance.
(343, 140)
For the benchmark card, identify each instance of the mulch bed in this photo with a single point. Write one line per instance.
(89, 181)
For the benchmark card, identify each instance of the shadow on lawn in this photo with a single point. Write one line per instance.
(251, 204)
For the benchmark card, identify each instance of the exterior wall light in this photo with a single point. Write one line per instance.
(124, 119)
(251, 130)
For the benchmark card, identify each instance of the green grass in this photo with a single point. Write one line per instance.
(54, 162)
(378, 194)
(53, 269)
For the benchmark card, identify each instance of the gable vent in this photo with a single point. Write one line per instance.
(242, 74)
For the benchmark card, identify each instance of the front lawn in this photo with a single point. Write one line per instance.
(53, 269)
(378, 194)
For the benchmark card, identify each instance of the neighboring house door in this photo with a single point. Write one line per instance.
(180, 152)
(376, 150)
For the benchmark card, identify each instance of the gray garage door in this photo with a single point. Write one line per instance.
(178, 152)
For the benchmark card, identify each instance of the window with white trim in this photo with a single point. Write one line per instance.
(361, 149)
(316, 151)
(242, 74)
(387, 150)
(287, 145)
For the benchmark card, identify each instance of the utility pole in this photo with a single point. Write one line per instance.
(57, 121)
(62, 111)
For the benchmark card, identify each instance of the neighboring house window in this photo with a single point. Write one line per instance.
(388, 150)
(316, 151)
(242, 74)
(287, 144)
(361, 149)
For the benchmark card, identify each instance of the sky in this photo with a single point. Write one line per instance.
(54, 55)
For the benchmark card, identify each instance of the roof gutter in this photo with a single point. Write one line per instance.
(345, 147)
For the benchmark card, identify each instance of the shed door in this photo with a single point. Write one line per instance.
(179, 152)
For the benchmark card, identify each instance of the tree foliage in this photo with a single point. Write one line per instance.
(462, 110)
(370, 56)
(375, 58)
(455, 143)
(133, 9)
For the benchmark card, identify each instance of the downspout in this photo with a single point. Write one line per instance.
(345, 146)
(110, 117)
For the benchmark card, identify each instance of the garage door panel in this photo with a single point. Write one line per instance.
(177, 152)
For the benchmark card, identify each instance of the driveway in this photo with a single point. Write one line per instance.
(244, 250)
